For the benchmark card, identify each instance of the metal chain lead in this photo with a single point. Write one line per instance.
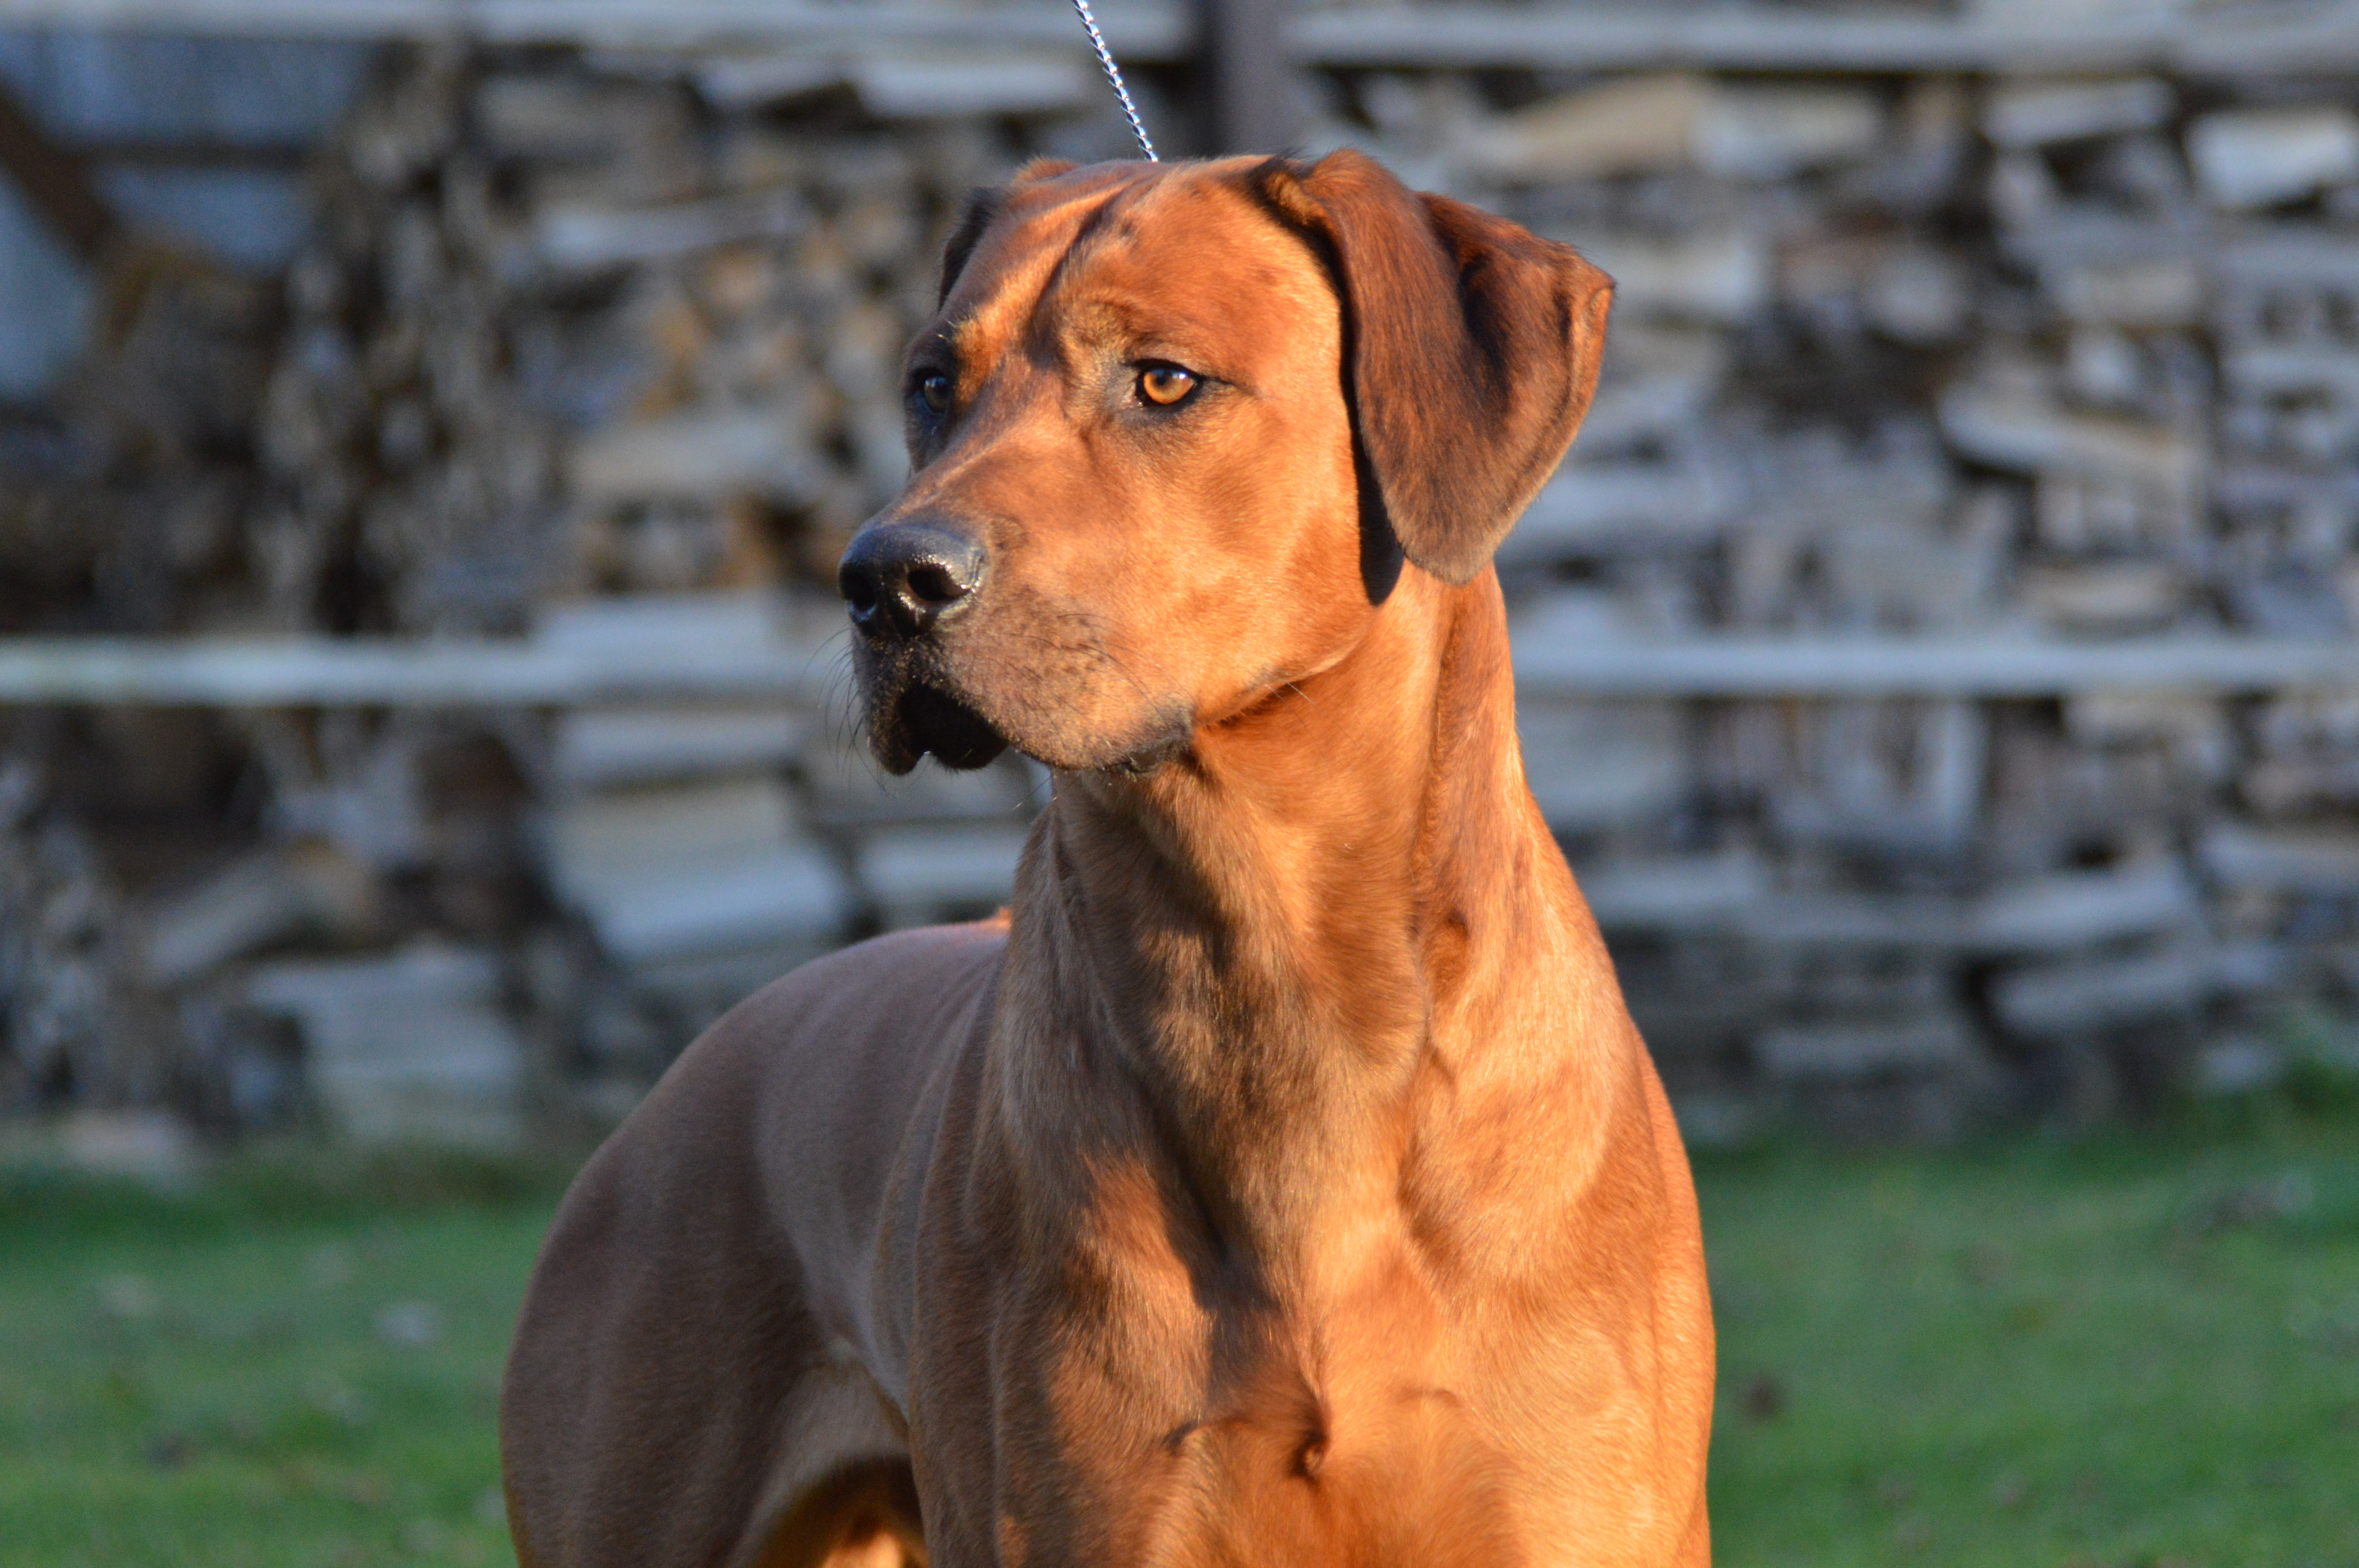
(1113, 75)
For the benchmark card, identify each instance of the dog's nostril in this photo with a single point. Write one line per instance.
(857, 583)
(930, 582)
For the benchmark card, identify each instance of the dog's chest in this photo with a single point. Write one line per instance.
(1208, 1410)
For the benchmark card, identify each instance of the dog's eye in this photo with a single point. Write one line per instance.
(934, 392)
(1166, 385)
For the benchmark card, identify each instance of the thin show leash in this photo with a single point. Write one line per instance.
(1113, 75)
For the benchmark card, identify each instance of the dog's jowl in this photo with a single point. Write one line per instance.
(1281, 1181)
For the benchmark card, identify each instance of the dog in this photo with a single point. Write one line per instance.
(1280, 1180)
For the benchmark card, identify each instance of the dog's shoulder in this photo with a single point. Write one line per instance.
(841, 1044)
(868, 1019)
(891, 981)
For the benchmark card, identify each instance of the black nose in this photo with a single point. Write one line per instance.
(902, 577)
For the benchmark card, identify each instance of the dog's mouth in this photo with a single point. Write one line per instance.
(922, 718)
(965, 710)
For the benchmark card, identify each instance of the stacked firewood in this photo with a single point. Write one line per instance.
(572, 357)
(2044, 357)
(601, 350)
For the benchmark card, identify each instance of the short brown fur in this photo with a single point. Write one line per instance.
(1282, 1181)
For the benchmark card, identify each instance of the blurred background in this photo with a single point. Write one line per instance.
(428, 429)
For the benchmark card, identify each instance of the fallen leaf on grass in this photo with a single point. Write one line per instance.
(328, 1266)
(128, 1298)
(362, 1488)
(2251, 1203)
(413, 1326)
(333, 1397)
(1987, 1263)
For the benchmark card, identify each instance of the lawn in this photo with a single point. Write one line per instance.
(2132, 1350)
(296, 1366)
(2032, 1355)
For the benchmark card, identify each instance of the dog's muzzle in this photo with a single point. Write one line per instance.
(903, 582)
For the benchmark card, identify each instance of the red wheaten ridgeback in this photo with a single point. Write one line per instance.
(1282, 1181)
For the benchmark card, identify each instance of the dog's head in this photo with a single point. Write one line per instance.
(1175, 429)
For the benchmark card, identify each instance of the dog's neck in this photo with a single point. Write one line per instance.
(1286, 937)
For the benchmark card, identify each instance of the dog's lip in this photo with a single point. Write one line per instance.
(920, 703)
(1173, 743)
(933, 718)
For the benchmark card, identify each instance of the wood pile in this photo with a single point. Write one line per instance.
(597, 348)
(2061, 357)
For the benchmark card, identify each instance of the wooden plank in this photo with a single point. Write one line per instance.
(1158, 30)
(2289, 39)
(363, 672)
(266, 18)
(1153, 30)
(55, 182)
(1245, 61)
(360, 672)
(2293, 39)
(1969, 666)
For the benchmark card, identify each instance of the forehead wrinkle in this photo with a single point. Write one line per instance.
(1054, 307)
(1083, 305)
(1032, 238)
(1119, 318)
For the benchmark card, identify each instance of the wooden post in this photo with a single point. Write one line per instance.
(54, 181)
(1248, 65)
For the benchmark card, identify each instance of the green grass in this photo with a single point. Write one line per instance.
(2119, 1352)
(297, 1366)
(2128, 1351)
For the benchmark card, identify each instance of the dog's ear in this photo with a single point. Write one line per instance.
(1471, 345)
(982, 205)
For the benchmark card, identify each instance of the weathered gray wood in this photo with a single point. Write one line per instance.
(320, 672)
(2076, 997)
(1244, 50)
(1943, 1042)
(914, 875)
(712, 866)
(2289, 40)
(55, 182)
(413, 1046)
(2072, 909)
(1136, 29)
(1732, 896)
(667, 742)
(365, 672)
(1982, 665)
(2300, 40)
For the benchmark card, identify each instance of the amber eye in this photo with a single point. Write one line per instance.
(1166, 385)
(934, 392)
